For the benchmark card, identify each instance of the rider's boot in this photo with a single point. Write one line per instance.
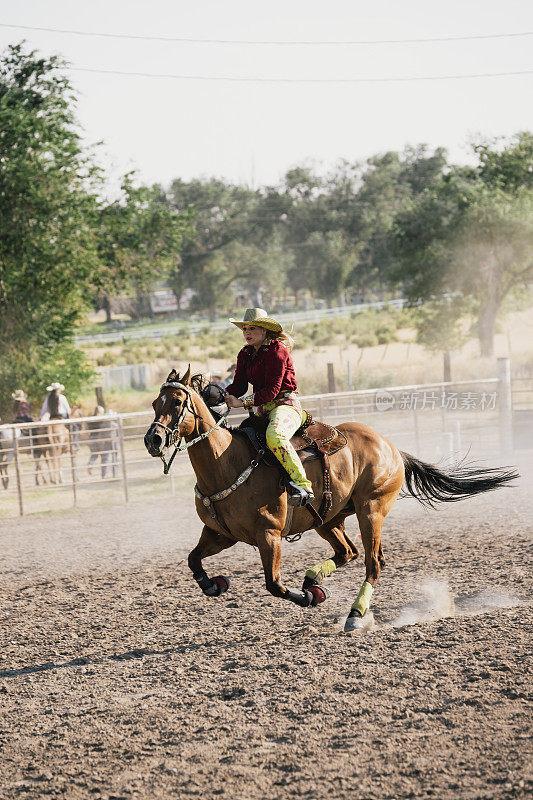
(298, 496)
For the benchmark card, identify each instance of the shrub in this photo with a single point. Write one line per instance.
(368, 339)
(107, 359)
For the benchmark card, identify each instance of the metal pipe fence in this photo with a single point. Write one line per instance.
(99, 460)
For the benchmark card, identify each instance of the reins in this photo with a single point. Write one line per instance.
(173, 433)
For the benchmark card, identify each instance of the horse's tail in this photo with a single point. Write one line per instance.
(430, 485)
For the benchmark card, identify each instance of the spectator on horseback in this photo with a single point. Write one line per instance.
(266, 363)
(56, 405)
(21, 407)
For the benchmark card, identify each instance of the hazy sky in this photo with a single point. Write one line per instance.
(248, 132)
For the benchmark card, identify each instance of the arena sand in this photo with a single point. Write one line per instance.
(118, 679)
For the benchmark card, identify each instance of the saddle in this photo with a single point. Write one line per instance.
(311, 441)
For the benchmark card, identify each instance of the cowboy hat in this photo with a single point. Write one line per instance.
(259, 317)
(19, 395)
(55, 385)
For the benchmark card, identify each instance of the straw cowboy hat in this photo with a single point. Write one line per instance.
(259, 317)
(55, 385)
(19, 395)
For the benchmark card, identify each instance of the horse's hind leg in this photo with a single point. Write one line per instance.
(209, 544)
(371, 516)
(343, 547)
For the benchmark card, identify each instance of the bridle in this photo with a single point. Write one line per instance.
(173, 437)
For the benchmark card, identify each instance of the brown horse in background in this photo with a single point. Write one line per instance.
(50, 442)
(366, 478)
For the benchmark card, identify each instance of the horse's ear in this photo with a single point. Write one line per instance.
(187, 377)
(173, 376)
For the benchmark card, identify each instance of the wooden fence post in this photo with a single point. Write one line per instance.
(331, 378)
(447, 367)
(17, 471)
(99, 391)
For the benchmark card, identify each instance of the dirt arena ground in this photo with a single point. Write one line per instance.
(118, 679)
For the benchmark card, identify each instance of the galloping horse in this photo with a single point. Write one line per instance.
(240, 499)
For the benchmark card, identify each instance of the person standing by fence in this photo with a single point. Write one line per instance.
(55, 405)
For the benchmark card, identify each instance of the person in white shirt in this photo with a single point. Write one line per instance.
(55, 405)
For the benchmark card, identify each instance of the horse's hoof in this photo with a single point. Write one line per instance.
(320, 593)
(222, 583)
(354, 623)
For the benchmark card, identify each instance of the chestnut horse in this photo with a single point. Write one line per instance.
(50, 442)
(241, 500)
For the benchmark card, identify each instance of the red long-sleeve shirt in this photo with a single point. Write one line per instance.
(270, 372)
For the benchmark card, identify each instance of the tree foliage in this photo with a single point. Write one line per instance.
(471, 234)
(60, 243)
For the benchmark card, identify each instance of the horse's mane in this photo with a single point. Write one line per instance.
(198, 382)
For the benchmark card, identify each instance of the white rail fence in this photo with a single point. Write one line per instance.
(103, 460)
(174, 329)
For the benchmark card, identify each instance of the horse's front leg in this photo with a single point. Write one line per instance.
(209, 544)
(270, 550)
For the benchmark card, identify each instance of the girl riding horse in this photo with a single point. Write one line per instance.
(266, 363)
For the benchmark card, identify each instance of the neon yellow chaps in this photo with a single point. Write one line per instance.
(322, 570)
(284, 421)
(362, 602)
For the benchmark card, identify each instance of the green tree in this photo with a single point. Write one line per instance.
(471, 234)
(492, 256)
(384, 187)
(139, 240)
(222, 215)
(48, 248)
(60, 244)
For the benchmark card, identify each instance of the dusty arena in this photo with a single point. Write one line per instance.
(119, 679)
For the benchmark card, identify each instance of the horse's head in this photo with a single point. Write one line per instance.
(175, 415)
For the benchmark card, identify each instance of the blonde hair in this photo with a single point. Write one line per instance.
(283, 337)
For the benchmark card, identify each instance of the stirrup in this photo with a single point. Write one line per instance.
(298, 496)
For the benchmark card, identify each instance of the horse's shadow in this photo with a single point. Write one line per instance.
(82, 661)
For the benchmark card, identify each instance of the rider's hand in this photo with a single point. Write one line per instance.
(233, 402)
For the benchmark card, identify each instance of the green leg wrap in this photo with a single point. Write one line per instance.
(362, 603)
(321, 570)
